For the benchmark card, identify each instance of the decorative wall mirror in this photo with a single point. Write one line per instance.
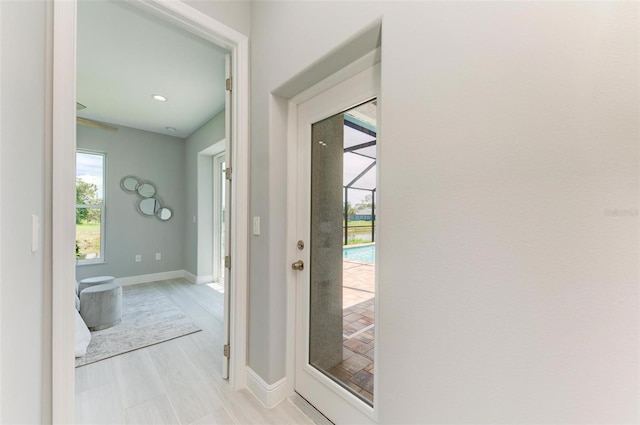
(146, 190)
(164, 213)
(130, 184)
(149, 204)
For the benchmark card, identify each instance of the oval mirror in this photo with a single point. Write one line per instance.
(164, 213)
(148, 206)
(146, 190)
(130, 183)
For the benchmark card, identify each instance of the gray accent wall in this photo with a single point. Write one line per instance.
(154, 157)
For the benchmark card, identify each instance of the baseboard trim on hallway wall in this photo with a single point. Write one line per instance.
(270, 395)
(153, 277)
(197, 279)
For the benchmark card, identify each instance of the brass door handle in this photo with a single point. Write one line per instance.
(298, 265)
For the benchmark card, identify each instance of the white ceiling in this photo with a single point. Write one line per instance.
(126, 55)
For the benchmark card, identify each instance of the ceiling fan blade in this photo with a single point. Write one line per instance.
(95, 124)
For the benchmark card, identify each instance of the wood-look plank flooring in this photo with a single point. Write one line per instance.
(175, 382)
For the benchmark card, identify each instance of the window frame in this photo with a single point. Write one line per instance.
(102, 206)
(219, 221)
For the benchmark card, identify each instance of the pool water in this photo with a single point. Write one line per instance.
(365, 253)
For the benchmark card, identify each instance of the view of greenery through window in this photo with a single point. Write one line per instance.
(360, 226)
(89, 205)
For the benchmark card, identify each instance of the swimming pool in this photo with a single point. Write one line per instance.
(361, 253)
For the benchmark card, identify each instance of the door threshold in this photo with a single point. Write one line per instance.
(309, 409)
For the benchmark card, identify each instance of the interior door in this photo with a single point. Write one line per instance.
(226, 218)
(328, 367)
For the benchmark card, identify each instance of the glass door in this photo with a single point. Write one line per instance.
(342, 247)
(335, 361)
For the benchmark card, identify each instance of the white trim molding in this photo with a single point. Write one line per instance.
(0, 232)
(197, 279)
(152, 277)
(270, 395)
(63, 208)
(239, 275)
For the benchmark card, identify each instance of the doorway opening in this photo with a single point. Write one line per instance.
(206, 30)
(147, 120)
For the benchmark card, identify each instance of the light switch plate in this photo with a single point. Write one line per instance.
(256, 226)
(35, 233)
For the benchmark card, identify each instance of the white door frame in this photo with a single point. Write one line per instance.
(64, 146)
(0, 222)
(359, 65)
(218, 268)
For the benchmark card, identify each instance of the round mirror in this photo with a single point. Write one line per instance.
(130, 183)
(146, 190)
(164, 213)
(148, 206)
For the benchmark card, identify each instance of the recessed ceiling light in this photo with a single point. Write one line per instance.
(170, 129)
(159, 97)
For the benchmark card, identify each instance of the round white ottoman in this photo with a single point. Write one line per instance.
(101, 306)
(91, 281)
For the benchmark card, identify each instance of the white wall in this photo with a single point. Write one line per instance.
(233, 13)
(25, 335)
(159, 159)
(198, 253)
(508, 290)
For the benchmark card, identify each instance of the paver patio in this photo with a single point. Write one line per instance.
(357, 368)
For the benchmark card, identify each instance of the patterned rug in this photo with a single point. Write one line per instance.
(148, 317)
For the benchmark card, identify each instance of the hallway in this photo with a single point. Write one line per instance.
(175, 382)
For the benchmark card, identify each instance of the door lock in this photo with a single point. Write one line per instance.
(298, 265)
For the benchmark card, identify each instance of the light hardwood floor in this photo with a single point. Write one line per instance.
(175, 382)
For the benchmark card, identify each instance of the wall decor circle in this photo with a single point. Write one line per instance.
(146, 190)
(130, 183)
(148, 204)
(164, 213)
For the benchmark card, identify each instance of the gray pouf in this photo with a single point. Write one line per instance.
(91, 281)
(101, 306)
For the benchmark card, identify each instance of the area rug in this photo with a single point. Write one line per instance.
(148, 317)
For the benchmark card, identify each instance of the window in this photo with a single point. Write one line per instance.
(90, 177)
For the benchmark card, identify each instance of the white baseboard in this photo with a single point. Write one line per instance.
(197, 279)
(153, 277)
(204, 279)
(189, 276)
(270, 395)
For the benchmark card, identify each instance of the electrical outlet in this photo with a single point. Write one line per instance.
(158, 256)
(138, 258)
